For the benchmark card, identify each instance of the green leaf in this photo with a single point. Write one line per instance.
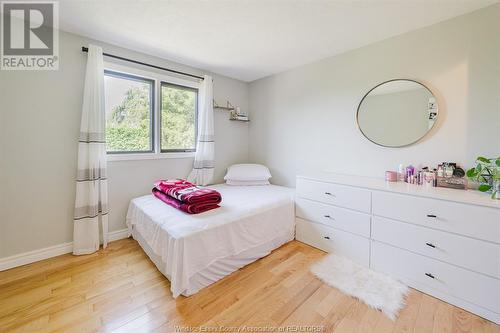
(471, 173)
(484, 188)
(483, 179)
(479, 167)
(483, 159)
(497, 162)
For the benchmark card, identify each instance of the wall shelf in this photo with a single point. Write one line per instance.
(225, 108)
(234, 111)
(228, 107)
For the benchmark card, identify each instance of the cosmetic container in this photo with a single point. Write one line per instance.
(391, 176)
(440, 172)
(410, 171)
(401, 173)
(448, 170)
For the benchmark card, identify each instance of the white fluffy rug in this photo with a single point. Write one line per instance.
(376, 290)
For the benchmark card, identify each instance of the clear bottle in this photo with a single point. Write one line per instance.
(448, 170)
(401, 173)
(440, 171)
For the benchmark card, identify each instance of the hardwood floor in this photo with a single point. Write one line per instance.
(120, 290)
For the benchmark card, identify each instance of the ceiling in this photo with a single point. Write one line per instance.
(251, 39)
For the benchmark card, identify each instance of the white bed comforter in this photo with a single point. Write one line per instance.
(249, 216)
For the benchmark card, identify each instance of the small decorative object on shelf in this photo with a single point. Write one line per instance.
(487, 174)
(238, 115)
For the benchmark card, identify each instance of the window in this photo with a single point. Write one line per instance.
(149, 115)
(129, 104)
(178, 118)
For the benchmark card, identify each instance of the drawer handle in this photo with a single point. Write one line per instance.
(431, 215)
(430, 275)
(327, 237)
(431, 245)
(329, 193)
(329, 217)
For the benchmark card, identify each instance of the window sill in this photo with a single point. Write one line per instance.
(147, 156)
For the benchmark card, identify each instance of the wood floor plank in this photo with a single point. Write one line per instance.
(339, 308)
(443, 318)
(426, 314)
(289, 307)
(408, 315)
(305, 313)
(369, 322)
(351, 320)
(120, 290)
(462, 321)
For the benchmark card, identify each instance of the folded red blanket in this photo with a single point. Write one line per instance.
(187, 192)
(195, 208)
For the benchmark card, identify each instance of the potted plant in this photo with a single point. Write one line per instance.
(487, 174)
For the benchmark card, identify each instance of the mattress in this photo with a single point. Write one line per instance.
(193, 251)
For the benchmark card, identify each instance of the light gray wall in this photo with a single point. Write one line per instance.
(302, 119)
(397, 118)
(39, 125)
(305, 119)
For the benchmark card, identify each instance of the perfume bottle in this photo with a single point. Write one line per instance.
(448, 170)
(440, 171)
(410, 171)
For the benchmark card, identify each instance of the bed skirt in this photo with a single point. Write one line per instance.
(221, 267)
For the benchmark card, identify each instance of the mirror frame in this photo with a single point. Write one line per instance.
(408, 144)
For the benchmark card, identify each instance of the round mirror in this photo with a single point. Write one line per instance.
(397, 113)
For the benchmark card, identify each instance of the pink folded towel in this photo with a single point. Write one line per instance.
(186, 196)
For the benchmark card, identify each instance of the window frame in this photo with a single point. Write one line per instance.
(182, 87)
(158, 77)
(152, 100)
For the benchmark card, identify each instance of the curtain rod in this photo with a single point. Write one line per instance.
(86, 49)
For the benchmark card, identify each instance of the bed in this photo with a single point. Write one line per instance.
(194, 251)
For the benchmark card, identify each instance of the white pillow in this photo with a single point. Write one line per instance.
(247, 172)
(247, 182)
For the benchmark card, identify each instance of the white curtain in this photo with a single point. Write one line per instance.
(91, 203)
(204, 160)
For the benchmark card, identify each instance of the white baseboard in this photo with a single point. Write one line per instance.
(117, 235)
(49, 252)
(36, 255)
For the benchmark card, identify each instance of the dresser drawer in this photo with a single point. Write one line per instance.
(332, 240)
(475, 221)
(333, 216)
(339, 195)
(476, 255)
(460, 283)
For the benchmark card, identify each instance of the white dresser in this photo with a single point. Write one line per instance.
(443, 242)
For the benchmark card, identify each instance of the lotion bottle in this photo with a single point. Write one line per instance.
(401, 173)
